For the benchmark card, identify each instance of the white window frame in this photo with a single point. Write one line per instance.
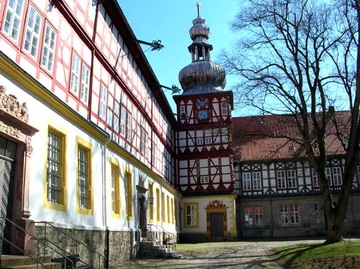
(123, 116)
(294, 214)
(13, 19)
(253, 215)
(199, 141)
(337, 176)
(191, 215)
(204, 179)
(315, 179)
(289, 214)
(224, 108)
(208, 140)
(246, 181)
(85, 83)
(32, 32)
(256, 180)
(328, 175)
(258, 215)
(129, 127)
(281, 179)
(103, 101)
(48, 51)
(284, 214)
(249, 216)
(75, 74)
(291, 178)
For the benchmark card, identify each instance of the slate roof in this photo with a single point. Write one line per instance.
(277, 137)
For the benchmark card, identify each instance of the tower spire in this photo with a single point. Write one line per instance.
(198, 5)
(201, 75)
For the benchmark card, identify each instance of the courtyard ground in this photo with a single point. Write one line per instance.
(240, 255)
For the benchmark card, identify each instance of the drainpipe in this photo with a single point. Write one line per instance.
(104, 202)
(92, 60)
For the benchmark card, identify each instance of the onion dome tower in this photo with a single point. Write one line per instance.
(204, 120)
(202, 75)
(204, 155)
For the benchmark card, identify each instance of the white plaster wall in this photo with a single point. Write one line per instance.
(203, 202)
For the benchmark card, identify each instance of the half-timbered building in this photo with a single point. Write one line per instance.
(279, 193)
(203, 137)
(89, 146)
(86, 133)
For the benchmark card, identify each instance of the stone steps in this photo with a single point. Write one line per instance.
(150, 250)
(24, 262)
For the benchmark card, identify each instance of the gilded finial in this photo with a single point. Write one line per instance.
(198, 8)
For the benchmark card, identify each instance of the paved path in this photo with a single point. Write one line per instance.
(240, 255)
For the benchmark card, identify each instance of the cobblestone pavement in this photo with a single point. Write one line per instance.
(240, 255)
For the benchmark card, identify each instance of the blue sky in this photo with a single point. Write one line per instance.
(170, 21)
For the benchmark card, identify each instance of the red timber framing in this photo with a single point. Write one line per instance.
(204, 142)
(117, 68)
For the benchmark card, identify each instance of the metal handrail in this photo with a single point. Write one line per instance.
(36, 259)
(45, 243)
(75, 240)
(167, 234)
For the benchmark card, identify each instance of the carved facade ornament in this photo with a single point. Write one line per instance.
(11, 105)
(216, 204)
(14, 119)
(12, 131)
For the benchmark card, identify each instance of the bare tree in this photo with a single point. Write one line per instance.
(301, 57)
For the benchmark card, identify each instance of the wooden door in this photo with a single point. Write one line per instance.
(217, 225)
(5, 172)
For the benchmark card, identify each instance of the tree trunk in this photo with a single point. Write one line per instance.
(334, 229)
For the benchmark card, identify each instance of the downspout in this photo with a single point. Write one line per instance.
(92, 59)
(104, 202)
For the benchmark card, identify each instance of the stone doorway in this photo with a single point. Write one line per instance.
(15, 151)
(216, 212)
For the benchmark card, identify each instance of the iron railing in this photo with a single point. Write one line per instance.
(101, 259)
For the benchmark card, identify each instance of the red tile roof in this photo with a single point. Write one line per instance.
(278, 137)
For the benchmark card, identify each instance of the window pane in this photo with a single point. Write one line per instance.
(54, 168)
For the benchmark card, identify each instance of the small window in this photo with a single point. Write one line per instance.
(256, 180)
(32, 35)
(55, 170)
(48, 51)
(123, 116)
(84, 190)
(115, 190)
(129, 195)
(281, 179)
(191, 214)
(75, 75)
(289, 214)
(103, 100)
(157, 205)
(246, 181)
(224, 108)
(85, 84)
(291, 179)
(337, 176)
(151, 202)
(13, 18)
(204, 179)
(315, 179)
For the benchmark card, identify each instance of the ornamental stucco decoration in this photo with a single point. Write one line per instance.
(17, 128)
(11, 105)
(216, 204)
